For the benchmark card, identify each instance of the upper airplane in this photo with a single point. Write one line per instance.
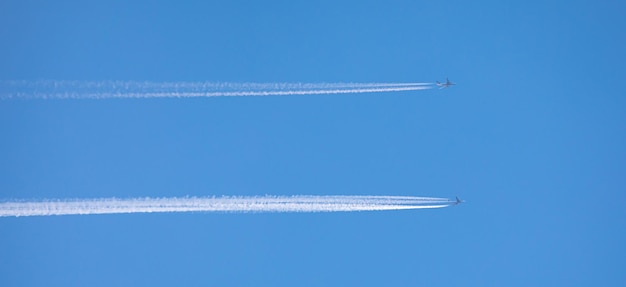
(458, 201)
(445, 85)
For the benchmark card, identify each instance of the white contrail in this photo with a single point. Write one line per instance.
(299, 203)
(129, 89)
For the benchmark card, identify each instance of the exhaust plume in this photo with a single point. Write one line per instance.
(299, 203)
(129, 89)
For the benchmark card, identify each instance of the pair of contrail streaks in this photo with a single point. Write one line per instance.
(299, 203)
(130, 89)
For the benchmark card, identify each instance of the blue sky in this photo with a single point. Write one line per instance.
(532, 137)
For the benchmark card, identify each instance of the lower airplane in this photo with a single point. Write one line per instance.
(458, 201)
(445, 85)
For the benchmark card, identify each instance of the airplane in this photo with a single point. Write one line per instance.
(445, 85)
(458, 201)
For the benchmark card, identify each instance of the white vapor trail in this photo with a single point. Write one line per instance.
(129, 89)
(298, 203)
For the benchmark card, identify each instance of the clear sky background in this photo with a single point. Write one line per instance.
(533, 137)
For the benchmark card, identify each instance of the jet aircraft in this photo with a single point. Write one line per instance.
(445, 85)
(458, 201)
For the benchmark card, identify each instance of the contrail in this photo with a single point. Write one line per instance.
(130, 89)
(298, 203)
